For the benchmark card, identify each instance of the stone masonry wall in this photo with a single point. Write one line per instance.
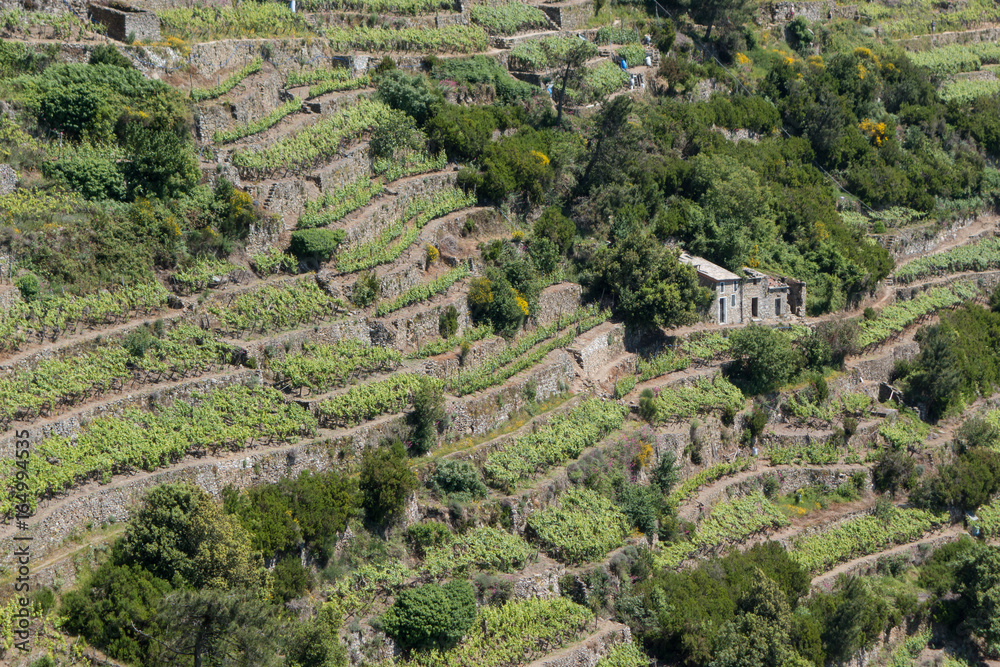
(557, 300)
(483, 413)
(154, 395)
(598, 347)
(284, 54)
(591, 650)
(143, 25)
(570, 16)
(789, 480)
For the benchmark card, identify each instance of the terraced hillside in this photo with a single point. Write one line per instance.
(360, 333)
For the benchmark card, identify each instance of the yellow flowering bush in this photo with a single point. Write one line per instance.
(876, 132)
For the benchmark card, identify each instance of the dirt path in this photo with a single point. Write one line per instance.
(827, 578)
(710, 493)
(602, 627)
(979, 225)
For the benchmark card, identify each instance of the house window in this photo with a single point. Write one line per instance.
(732, 301)
(753, 307)
(777, 307)
(734, 288)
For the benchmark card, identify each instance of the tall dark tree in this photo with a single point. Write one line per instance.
(609, 138)
(710, 13)
(569, 61)
(217, 628)
(385, 482)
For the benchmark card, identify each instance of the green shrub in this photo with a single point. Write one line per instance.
(556, 227)
(29, 288)
(764, 359)
(800, 37)
(290, 579)
(108, 54)
(431, 616)
(448, 322)
(366, 289)
(463, 132)
(411, 94)
(95, 177)
(315, 244)
(451, 476)
(426, 535)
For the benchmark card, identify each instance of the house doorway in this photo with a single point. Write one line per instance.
(722, 310)
(777, 307)
(753, 307)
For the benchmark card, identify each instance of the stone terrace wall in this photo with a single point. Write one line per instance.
(285, 54)
(556, 300)
(916, 554)
(143, 25)
(569, 16)
(591, 650)
(789, 480)
(926, 42)
(153, 395)
(880, 368)
(412, 329)
(485, 412)
(919, 240)
(598, 347)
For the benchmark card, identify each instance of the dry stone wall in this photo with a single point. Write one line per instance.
(598, 347)
(590, 651)
(569, 16)
(789, 480)
(557, 300)
(143, 26)
(410, 329)
(284, 54)
(921, 240)
(487, 411)
(145, 398)
(336, 103)
(8, 179)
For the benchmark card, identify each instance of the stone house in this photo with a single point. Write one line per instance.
(750, 297)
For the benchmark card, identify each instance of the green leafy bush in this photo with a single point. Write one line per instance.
(316, 244)
(108, 54)
(452, 476)
(431, 616)
(427, 418)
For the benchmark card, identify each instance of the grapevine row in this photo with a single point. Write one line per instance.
(275, 308)
(423, 291)
(231, 418)
(270, 120)
(563, 438)
(321, 367)
(199, 94)
(333, 206)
